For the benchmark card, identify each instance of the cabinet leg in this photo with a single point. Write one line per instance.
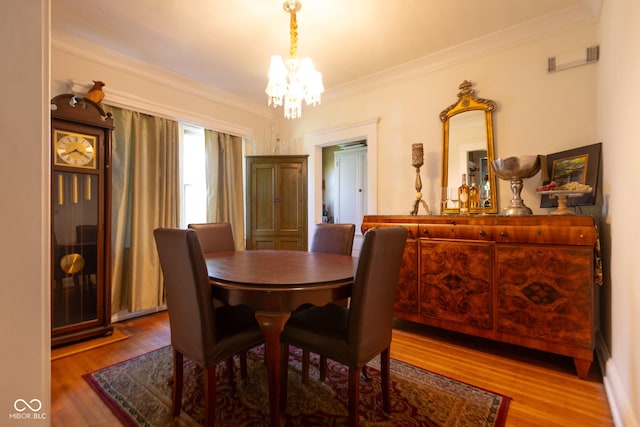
(582, 367)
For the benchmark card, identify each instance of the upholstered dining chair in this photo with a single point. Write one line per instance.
(330, 239)
(215, 236)
(356, 334)
(333, 238)
(204, 334)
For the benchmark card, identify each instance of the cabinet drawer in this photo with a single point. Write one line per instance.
(456, 231)
(511, 234)
(545, 235)
(412, 229)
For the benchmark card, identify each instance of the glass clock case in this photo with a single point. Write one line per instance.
(75, 248)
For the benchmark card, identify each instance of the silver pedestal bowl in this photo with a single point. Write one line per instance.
(516, 169)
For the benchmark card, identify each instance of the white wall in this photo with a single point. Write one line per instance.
(24, 195)
(537, 113)
(618, 91)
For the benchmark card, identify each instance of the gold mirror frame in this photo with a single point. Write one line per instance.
(467, 102)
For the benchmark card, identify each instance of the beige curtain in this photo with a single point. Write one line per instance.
(145, 195)
(224, 182)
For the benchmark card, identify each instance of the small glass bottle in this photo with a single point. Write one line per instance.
(486, 192)
(463, 196)
(474, 194)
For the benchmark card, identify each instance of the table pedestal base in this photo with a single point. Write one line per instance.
(272, 325)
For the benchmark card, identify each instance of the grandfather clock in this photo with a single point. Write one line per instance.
(80, 219)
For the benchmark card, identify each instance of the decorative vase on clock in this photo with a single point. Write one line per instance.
(81, 135)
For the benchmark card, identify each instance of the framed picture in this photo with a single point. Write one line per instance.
(580, 165)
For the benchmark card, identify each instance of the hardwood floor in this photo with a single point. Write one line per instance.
(544, 387)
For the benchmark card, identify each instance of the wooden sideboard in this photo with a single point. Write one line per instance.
(527, 280)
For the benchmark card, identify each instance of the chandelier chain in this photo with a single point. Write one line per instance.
(293, 33)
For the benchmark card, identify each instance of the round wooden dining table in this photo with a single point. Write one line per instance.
(274, 283)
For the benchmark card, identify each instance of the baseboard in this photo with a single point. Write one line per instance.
(126, 315)
(621, 409)
(75, 348)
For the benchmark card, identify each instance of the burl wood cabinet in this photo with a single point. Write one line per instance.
(277, 202)
(527, 281)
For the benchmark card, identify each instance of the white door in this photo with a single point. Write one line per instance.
(351, 168)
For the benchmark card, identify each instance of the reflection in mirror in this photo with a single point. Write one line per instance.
(468, 149)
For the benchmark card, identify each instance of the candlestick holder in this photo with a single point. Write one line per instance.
(417, 156)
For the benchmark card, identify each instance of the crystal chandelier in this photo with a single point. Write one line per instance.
(293, 79)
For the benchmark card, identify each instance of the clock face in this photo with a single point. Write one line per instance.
(74, 149)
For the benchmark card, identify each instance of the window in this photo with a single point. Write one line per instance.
(193, 176)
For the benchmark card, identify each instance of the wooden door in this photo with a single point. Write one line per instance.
(277, 202)
(351, 168)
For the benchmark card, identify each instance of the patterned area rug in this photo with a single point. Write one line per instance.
(139, 393)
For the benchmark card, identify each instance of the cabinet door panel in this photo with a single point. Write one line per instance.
(546, 292)
(293, 244)
(264, 215)
(276, 243)
(407, 291)
(455, 282)
(289, 191)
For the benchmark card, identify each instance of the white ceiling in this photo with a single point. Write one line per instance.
(227, 44)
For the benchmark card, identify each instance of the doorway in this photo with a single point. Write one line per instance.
(361, 131)
(344, 185)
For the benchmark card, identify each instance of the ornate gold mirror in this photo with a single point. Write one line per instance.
(467, 148)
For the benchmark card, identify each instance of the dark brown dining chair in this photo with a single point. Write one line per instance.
(356, 334)
(333, 239)
(202, 333)
(329, 239)
(215, 236)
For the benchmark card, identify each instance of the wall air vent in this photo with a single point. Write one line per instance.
(573, 59)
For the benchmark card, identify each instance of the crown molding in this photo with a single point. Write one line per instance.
(117, 98)
(66, 42)
(577, 16)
